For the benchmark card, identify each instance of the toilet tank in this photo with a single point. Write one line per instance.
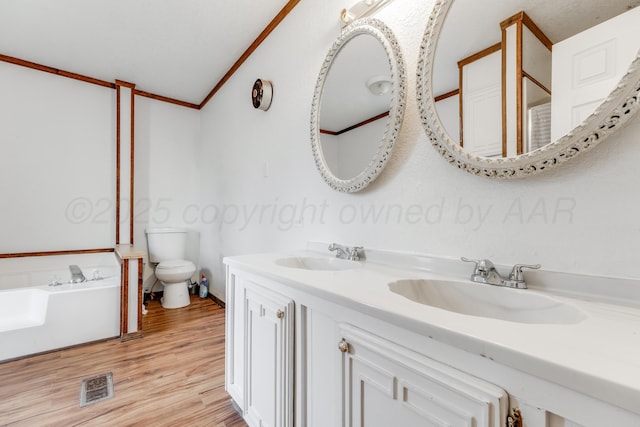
(166, 243)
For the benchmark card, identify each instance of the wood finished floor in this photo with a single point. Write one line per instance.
(174, 376)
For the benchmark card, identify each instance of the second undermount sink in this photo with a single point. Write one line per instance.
(489, 301)
(318, 263)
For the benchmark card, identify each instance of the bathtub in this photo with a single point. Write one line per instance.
(42, 318)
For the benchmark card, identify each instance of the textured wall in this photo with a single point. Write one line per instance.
(259, 179)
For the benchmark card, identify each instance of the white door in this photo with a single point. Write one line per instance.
(482, 106)
(269, 357)
(587, 67)
(389, 385)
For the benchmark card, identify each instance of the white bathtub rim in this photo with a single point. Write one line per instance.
(72, 317)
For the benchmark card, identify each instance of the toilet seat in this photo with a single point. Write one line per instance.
(176, 266)
(174, 271)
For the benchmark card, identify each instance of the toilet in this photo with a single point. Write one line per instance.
(167, 251)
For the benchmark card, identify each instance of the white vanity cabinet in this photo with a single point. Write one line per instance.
(386, 384)
(298, 355)
(367, 381)
(259, 370)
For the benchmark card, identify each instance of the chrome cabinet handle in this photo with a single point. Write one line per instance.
(343, 346)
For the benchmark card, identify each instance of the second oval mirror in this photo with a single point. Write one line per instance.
(358, 105)
(529, 84)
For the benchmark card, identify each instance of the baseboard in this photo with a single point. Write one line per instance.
(236, 407)
(217, 300)
(131, 336)
(158, 295)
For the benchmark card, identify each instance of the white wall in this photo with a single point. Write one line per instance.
(449, 112)
(581, 218)
(57, 168)
(57, 162)
(167, 172)
(349, 153)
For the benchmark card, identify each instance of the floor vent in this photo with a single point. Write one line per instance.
(96, 389)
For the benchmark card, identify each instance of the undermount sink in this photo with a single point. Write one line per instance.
(489, 301)
(318, 263)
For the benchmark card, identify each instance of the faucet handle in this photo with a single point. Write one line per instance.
(482, 265)
(356, 253)
(517, 274)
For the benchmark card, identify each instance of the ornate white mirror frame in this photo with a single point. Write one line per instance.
(616, 109)
(375, 165)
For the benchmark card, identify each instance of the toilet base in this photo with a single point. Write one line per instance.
(175, 295)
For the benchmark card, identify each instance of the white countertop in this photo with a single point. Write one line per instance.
(598, 356)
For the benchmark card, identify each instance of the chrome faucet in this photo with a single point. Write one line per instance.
(352, 253)
(356, 253)
(486, 272)
(76, 274)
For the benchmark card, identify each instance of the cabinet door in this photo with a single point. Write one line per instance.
(389, 385)
(234, 335)
(269, 357)
(320, 403)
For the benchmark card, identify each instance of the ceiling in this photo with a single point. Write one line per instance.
(463, 34)
(174, 48)
(346, 98)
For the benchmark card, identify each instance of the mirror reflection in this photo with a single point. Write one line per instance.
(358, 105)
(527, 73)
(355, 106)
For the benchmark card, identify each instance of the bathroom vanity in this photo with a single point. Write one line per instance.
(408, 340)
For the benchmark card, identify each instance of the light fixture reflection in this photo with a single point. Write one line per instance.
(379, 85)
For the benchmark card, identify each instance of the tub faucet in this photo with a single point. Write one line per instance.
(486, 272)
(76, 274)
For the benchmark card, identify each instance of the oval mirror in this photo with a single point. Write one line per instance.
(358, 105)
(510, 88)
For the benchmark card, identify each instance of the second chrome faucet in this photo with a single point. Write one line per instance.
(352, 253)
(486, 272)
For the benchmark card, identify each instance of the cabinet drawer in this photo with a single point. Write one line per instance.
(388, 384)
